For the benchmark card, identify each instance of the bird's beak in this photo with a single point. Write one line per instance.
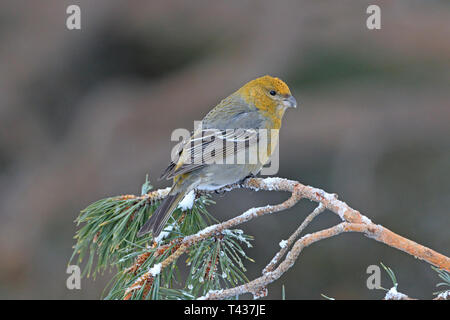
(290, 102)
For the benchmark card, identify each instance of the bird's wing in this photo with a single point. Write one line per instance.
(208, 146)
(231, 113)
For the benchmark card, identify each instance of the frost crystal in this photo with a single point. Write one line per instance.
(342, 208)
(165, 233)
(444, 295)
(272, 182)
(393, 294)
(187, 202)
(283, 244)
(366, 220)
(155, 270)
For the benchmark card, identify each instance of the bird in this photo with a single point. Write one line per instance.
(231, 129)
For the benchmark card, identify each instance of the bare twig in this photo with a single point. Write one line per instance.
(149, 276)
(320, 208)
(269, 277)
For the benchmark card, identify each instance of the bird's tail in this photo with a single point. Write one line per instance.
(159, 218)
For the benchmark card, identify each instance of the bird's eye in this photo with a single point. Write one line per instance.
(272, 92)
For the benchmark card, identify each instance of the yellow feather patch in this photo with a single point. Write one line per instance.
(271, 83)
(257, 92)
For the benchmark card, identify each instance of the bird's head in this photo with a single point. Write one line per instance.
(270, 95)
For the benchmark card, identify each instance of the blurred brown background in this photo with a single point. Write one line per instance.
(86, 114)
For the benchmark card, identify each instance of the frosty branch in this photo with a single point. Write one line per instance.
(352, 221)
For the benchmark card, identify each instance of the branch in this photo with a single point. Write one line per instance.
(353, 221)
(295, 235)
(269, 277)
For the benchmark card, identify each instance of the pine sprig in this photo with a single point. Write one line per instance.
(109, 226)
(391, 275)
(445, 276)
(216, 263)
(107, 240)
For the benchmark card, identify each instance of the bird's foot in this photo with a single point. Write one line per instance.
(242, 182)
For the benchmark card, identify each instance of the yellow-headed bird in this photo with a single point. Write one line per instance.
(230, 129)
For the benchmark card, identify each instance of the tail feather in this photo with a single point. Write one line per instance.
(159, 218)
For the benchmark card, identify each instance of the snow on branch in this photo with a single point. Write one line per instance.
(352, 221)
